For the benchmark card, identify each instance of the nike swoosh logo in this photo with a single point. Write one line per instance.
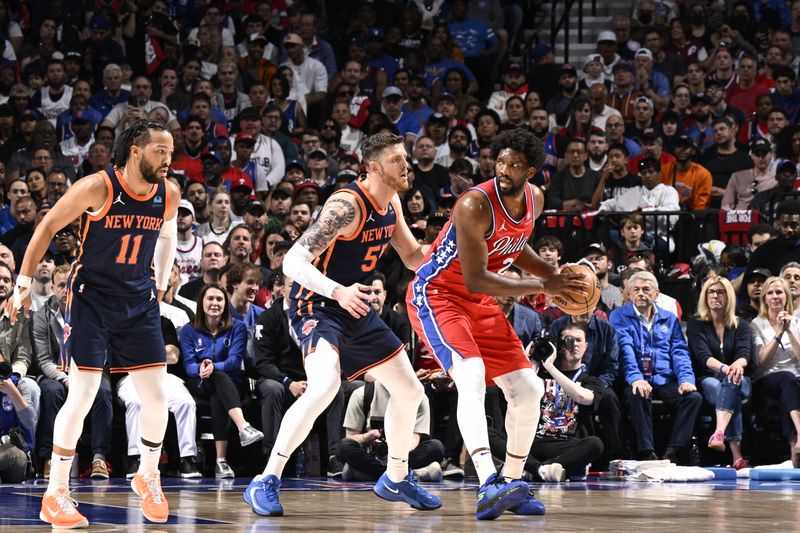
(53, 512)
(153, 449)
(65, 458)
(198, 349)
(393, 491)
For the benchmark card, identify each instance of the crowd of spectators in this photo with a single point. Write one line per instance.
(683, 108)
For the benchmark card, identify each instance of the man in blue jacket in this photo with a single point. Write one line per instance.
(656, 364)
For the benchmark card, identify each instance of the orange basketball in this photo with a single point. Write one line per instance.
(573, 304)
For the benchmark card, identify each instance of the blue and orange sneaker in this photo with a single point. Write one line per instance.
(262, 495)
(497, 495)
(529, 506)
(406, 491)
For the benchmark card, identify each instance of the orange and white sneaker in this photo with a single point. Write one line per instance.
(154, 505)
(60, 511)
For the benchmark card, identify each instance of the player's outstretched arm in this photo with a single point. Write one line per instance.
(340, 216)
(472, 217)
(409, 250)
(87, 194)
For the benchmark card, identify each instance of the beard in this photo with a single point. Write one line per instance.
(149, 173)
(513, 190)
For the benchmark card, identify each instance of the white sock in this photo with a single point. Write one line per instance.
(484, 464)
(513, 467)
(397, 469)
(60, 466)
(148, 457)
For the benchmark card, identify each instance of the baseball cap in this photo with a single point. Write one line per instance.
(242, 181)
(607, 37)
(280, 192)
(186, 204)
(623, 65)
(700, 99)
(193, 41)
(760, 145)
(595, 247)
(644, 99)
(318, 153)
(29, 114)
(644, 52)
(375, 32)
(19, 90)
(244, 136)
(711, 82)
(292, 38)
(346, 174)
(73, 55)
(99, 22)
(350, 155)
(257, 37)
(392, 92)
(212, 156)
(295, 163)
(649, 134)
(540, 50)
(416, 231)
(446, 96)
(304, 185)
(757, 272)
(515, 66)
(438, 118)
(567, 68)
(447, 200)
(685, 140)
(251, 112)
(255, 206)
(787, 166)
(592, 58)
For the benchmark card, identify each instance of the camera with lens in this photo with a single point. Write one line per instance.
(5, 370)
(546, 344)
(379, 446)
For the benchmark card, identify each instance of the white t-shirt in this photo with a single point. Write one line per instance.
(269, 160)
(188, 255)
(312, 73)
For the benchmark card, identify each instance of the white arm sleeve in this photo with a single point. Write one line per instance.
(297, 265)
(165, 252)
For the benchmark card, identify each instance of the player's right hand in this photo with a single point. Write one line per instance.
(21, 299)
(354, 299)
(568, 281)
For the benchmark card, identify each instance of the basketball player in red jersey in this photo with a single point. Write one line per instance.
(128, 241)
(452, 309)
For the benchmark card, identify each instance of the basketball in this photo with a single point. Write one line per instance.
(579, 305)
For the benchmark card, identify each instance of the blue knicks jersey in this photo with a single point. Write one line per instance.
(351, 259)
(119, 241)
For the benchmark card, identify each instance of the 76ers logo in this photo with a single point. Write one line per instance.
(67, 332)
(308, 325)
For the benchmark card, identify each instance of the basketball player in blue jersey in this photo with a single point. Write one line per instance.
(128, 241)
(331, 265)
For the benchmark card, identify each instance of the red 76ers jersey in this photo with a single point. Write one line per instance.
(505, 240)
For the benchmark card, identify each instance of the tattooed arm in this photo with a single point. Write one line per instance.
(339, 217)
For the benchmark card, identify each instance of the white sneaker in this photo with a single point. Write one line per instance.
(432, 472)
(553, 472)
(248, 435)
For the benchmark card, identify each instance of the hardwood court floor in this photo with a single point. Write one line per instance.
(321, 505)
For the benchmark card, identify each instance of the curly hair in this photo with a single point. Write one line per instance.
(523, 142)
(138, 134)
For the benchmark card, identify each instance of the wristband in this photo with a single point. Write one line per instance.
(722, 368)
(20, 294)
(23, 282)
(286, 382)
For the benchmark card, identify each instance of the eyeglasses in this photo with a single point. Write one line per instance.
(716, 292)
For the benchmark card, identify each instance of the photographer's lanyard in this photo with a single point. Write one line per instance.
(557, 391)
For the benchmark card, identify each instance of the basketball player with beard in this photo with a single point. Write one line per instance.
(128, 240)
(451, 306)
